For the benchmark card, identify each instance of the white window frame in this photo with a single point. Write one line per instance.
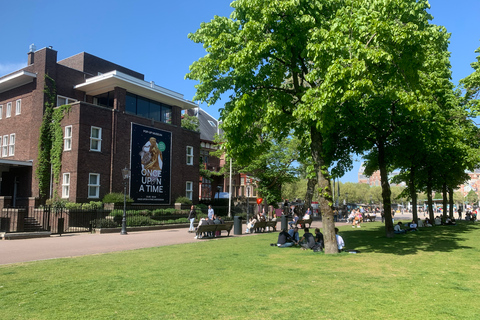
(66, 185)
(67, 139)
(18, 107)
(98, 139)
(189, 190)
(95, 186)
(189, 156)
(67, 100)
(5, 146)
(8, 112)
(11, 145)
(1, 111)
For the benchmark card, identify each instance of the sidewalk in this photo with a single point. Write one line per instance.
(80, 244)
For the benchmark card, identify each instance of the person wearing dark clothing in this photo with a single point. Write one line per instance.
(319, 238)
(308, 240)
(284, 240)
(191, 217)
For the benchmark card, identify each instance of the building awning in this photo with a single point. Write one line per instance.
(5, 165)
(108, 81)
(16, 79)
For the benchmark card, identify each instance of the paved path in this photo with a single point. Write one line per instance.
(79, 244)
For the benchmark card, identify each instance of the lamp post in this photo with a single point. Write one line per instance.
(126, 176)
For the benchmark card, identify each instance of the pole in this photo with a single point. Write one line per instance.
(124, 218)
(230, 191)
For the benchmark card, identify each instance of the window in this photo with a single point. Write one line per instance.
(189, 190)
(148, 108)
(66, 185)
(67, 139)
(189, 156)
(64, 100)
(1, 112)
(18, 107)
(5, 146)
(93, 185)
(11, 149)
(96, 139)
(8, 113)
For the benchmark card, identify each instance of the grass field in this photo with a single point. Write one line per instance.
(430, 274)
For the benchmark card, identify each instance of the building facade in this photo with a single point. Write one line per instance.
(115, 120)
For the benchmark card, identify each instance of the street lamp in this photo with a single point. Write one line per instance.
(126, 176)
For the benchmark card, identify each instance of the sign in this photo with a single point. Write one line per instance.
(150, 161)
(259, 200)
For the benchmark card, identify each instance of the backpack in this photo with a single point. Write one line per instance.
(317, 248)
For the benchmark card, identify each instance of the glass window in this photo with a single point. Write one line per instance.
(67, 139)
(66, 185)
(166, 114)
(148, 108)
(189, 190)
(5, 146)
(1, 111)
(18, 107)
(64, 100)
(11, 149)
(95, 139)
(189, 156)
(8, 113)
(143, 107)
(105, 99)
(93, 185)
(155, 111)
(131, 103)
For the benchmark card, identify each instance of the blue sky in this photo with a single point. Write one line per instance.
(151, 36)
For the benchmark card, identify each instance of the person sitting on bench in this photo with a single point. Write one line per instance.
(294, 222)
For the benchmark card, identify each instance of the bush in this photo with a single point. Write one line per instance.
(92, 205)
(115, 197)
(73, 206)
(105, 223)
(183, 200)
(140, 221)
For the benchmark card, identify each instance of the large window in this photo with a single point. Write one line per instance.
(11, 145)
(64, 100)
(1, 112)
(94, 185)
(189, 156)
(148, 108)
(8, 113)
(96, 139)
(66, 185)
(18, 107)
(5, 146)
(67, 139)
(105, 99)
(189, 190)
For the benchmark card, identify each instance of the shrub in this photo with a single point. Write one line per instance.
(140, 221)
(115, 197)
(92, 205)
(183, 200)
(105, 223)
(73, 206)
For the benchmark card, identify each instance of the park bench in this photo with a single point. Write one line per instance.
(205, 228)
(264, 224)
(303, 222)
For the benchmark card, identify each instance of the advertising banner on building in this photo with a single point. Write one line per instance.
(150, 160)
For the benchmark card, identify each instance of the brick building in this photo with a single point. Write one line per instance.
(116, 119)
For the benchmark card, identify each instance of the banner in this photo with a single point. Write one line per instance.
(150, 160)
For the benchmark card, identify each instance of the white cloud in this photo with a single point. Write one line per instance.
(6, 68)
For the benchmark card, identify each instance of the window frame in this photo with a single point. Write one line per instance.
(96, 186)
(189, 156)
(5, 146)
(1, 111)
(67, 139)
(67, 100)
(189, 191)
(66, 185)
(8, 112)
(18, 107)
(11, 145)
(96, 139)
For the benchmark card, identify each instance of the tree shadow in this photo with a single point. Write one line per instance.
(432, 239)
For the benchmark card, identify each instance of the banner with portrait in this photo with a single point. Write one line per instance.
(150, 160)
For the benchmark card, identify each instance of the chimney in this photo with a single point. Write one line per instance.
(31, 54)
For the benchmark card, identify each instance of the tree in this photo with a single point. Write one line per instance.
(190, 122)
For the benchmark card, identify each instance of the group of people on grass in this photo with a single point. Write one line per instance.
(308, 241)
(413, 226)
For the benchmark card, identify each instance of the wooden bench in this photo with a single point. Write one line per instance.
(264, 224)
(205, 228)
(302, 222)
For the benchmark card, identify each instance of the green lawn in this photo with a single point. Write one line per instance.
(430, 274)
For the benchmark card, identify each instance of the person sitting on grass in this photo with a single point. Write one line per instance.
(284, 240)
(340, 242)
(293, 233)
(427, 223)
(413, 226)
(398, 228)
(450, 221)
(319, 238)
(307, 241)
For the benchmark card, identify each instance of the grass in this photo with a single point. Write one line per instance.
(430, 274)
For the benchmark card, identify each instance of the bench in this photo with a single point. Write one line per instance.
(264, 224)
(302, 222)
(205, 228)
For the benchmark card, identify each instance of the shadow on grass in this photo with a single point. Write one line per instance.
(433, 239)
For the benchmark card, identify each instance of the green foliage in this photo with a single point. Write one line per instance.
(190, 122)
(115, 197)
(92, 205)
(106, 223)
(183, 200)
(73, 206)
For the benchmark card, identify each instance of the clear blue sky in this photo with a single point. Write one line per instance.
(151, 36)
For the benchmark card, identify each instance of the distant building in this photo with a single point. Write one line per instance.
(375, 179)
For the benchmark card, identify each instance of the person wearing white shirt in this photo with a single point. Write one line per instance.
(340, 242)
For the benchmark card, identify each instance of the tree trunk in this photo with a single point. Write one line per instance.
(450, 196)
(311, 183)
(386, 192)
(445, 200)
(429, 200)
(413, 194)
(325, 192)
